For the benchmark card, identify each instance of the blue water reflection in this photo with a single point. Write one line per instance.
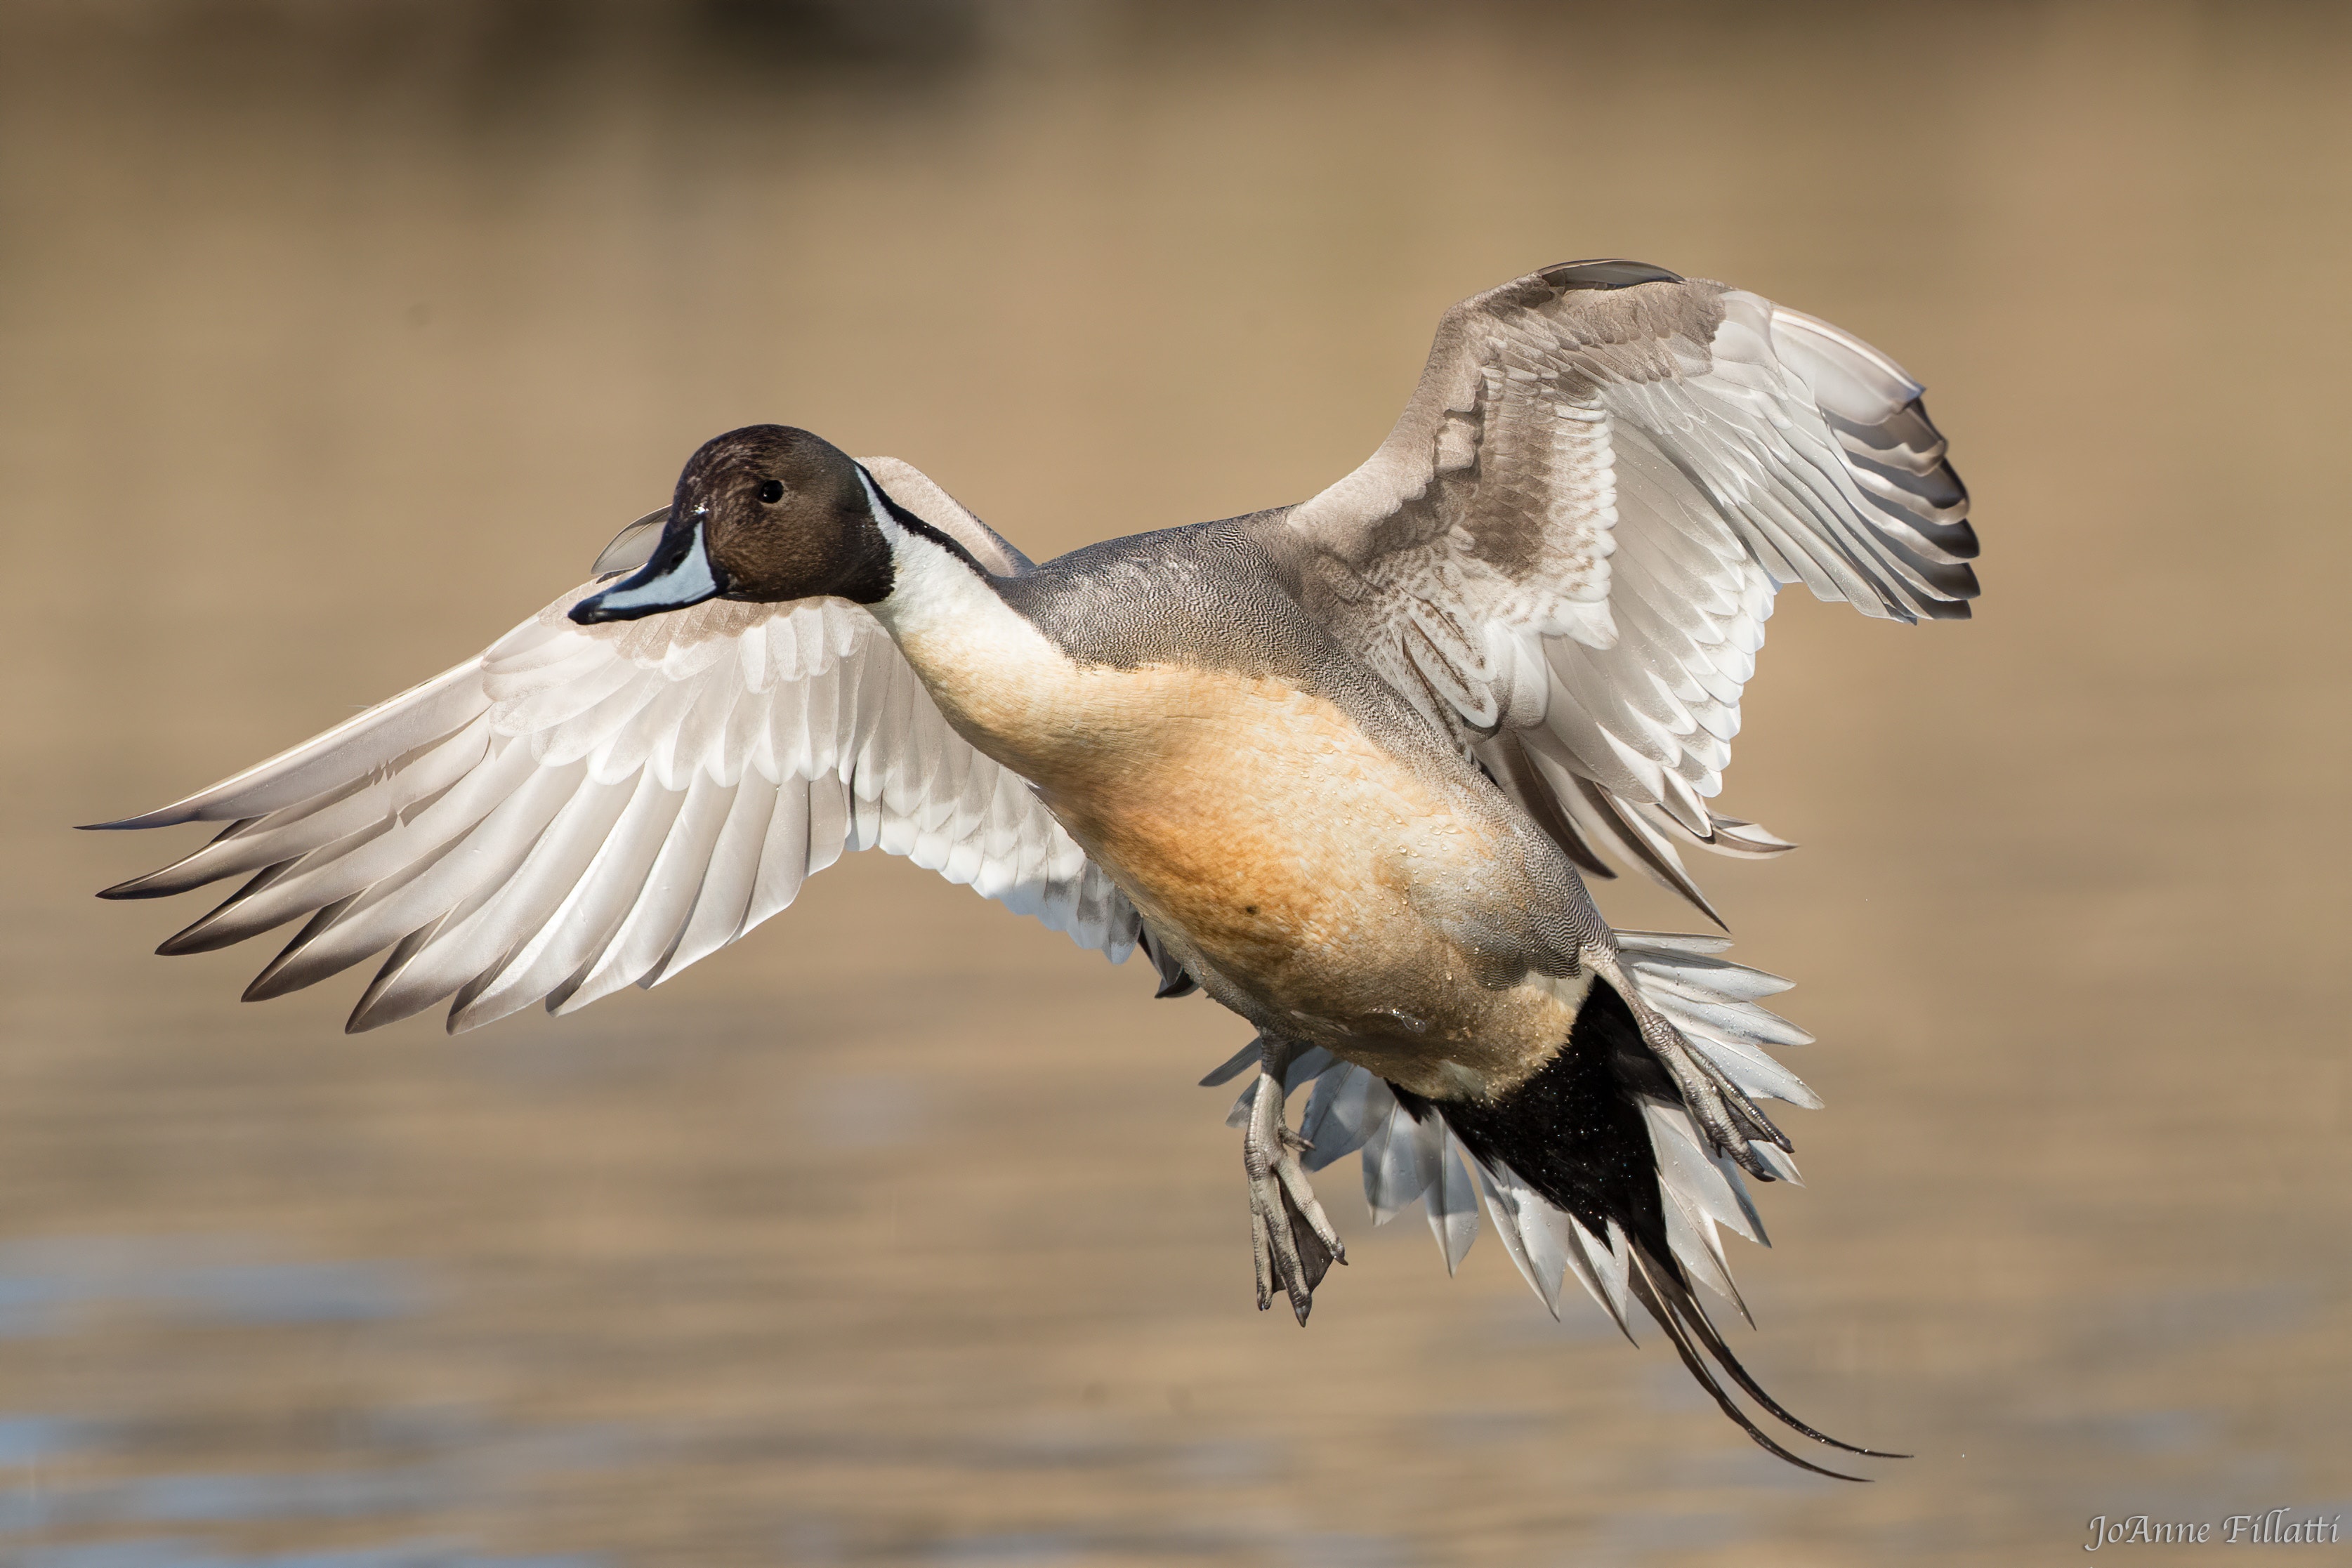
(30, 1439)
(65, 1287)
(44, 1284)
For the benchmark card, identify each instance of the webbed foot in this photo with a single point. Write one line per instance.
(1732, 1122)
(1293, 1242)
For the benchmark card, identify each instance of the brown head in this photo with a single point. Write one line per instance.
(767, 513)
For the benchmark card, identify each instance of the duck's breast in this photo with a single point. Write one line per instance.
(1350, 889)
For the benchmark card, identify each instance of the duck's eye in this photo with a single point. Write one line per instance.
(772, 492)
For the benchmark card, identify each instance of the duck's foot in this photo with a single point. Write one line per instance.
(1733, 1122)
(1293, 1243)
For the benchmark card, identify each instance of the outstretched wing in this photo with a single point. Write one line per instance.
(1566, 550)
(582, 808)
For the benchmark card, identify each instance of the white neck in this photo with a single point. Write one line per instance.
(982, 660)
(930, 582)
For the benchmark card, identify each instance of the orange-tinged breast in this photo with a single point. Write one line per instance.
(1302, 859)
(1308, 866)
(1255, 818)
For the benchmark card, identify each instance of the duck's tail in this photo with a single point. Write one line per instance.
(1593, 1166)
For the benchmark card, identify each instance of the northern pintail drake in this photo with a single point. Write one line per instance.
(1344, 764)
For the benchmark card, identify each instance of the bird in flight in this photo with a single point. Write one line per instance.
(1346, 766)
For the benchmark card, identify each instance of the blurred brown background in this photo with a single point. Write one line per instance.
(334, 337)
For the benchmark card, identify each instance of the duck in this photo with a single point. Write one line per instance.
(1350, 767)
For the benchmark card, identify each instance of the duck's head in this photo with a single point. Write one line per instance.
(767, 513)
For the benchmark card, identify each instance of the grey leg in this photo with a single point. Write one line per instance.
(1293, 1243)
(1721, 1108)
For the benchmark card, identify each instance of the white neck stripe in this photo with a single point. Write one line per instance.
(876, 509)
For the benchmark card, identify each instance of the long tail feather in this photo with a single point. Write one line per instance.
(1645, 1287)
(1702, 1328)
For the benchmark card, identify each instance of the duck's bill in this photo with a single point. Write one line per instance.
(680, 573)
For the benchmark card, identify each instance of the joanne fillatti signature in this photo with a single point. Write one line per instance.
(2279, 1527)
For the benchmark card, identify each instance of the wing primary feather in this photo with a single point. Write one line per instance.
(352, 865)
(403, 951)
(259, 988)
(304, 962)
(443, 878)
(357, 746)
(201, 935)
(297, 829)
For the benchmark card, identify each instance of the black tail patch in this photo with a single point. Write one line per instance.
(1575, 1133)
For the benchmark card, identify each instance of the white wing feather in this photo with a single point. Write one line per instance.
(580, 808)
